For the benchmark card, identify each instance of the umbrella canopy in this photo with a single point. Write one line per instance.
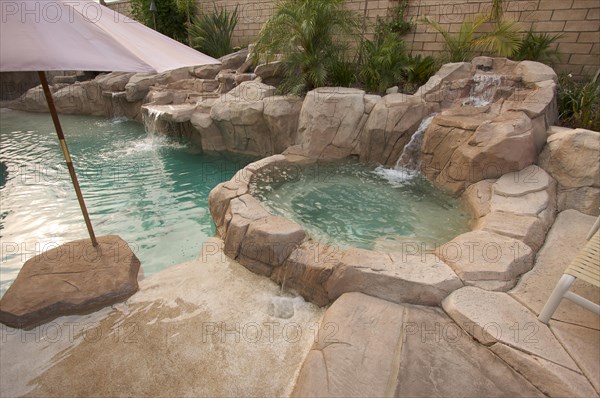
(44, 35)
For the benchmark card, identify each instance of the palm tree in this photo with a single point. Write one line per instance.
(312, 37)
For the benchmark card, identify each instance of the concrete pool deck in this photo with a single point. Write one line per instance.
(193, 330)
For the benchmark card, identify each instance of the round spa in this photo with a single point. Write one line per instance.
(349, 204)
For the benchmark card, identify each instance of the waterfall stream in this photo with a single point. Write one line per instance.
(483, 89)
(410, 159)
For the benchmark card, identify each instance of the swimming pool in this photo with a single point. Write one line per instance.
(150, 190)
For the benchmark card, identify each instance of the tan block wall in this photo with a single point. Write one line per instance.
(254, 13)
(578, 20)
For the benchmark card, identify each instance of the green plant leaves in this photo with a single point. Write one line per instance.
(211, 33)
(311, 36)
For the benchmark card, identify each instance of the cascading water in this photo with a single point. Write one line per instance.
(116, 99)
(483, 89)
(409, 163)
(410, 159)
(152, 119)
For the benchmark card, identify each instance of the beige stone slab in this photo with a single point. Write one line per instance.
(583, 344)
(441, 360)
(528, 229)
(492, 317)
(383, 349)
(530, 204)
(483, 255)
(423, 280)
(554, 380)
(357, 350)
(563, 242)
(518, 183)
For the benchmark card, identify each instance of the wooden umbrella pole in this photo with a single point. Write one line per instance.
(65, 151)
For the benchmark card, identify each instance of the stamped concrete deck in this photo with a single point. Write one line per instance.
(193, 330)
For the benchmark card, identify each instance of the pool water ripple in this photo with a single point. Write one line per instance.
(150, 190)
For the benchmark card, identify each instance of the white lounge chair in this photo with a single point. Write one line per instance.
(586, 266)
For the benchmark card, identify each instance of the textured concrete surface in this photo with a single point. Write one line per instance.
(204, 328)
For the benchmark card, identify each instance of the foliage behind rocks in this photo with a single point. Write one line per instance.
(170, 19)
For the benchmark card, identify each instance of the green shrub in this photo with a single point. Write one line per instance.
(395, 22)
(459, 46)
(312, 36)
(343, 74)
(538, 47)
(170, 19)
(417, 72)
(503, 40)
(382, 62)
(579, 103)
(211, 33)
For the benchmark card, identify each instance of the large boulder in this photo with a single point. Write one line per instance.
(281, 114)
(74, 278)
(307, 270)
(239, 117)
(458, 151)
(390, 126)
(140, 83)
(271, 73)
(115, 81)
(534, 72)
(268, 243)
(83, 98)
(448, 84)
(210, 135)
(330, 122)
(571, 157)
(253, 120)
(33, 100)
(234, 60)
(206, 71)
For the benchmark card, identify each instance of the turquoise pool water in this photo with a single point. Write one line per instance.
(349, 204)
(150, 190)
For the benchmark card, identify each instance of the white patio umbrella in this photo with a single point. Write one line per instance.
(47, 35)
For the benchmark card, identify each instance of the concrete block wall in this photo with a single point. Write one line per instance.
(254, 13)
(578, 20)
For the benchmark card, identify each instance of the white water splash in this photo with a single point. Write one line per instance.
(396, 177)
(408, 165)
(151, 143)
(483, 89)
